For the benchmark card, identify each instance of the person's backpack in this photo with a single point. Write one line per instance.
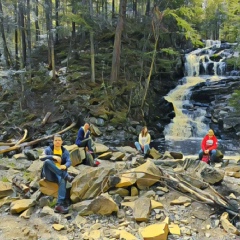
(206, 158)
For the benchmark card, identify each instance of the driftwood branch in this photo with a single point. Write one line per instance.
(45, 119)
(20, 145)
(23, 138)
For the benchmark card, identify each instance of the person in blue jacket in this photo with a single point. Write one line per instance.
(56, 162)
(84, 139)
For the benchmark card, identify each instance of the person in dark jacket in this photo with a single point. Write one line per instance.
(56, 162)
(84, 139)
(209, 147)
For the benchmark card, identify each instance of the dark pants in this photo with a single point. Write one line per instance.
(54, 174)
(212, 153)
(88, 142)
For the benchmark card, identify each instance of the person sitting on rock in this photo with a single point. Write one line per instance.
(209, 147)
(84, 140)
(56, 162)
(143, 144)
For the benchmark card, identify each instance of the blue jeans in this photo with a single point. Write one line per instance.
(54, 174)
(145, 148)
(212, 153)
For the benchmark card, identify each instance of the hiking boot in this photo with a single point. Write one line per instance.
(69, 178)
(60, 208)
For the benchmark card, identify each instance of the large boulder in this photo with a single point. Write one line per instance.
(90, 183)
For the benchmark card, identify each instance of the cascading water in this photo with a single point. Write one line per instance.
(187, 128)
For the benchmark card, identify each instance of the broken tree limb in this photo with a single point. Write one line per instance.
(23, 138)
(22, 145)
(16, 143)
(198, 195)
(45, 119)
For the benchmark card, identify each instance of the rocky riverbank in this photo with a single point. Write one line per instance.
(126, 197)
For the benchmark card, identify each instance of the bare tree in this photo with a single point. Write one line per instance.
(117, 42)
(92, 45)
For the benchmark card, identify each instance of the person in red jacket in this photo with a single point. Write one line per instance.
(209, 147)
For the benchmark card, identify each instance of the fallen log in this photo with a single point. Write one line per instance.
(25, 144)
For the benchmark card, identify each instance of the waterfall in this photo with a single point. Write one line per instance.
(188, 120)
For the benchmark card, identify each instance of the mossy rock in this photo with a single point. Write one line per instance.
(30, 117)
(119, 117)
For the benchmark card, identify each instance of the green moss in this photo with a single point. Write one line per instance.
(119, 117)
(4, 179)
(234, 62)
(52, 203)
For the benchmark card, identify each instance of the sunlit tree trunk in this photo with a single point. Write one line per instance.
(92, 45)
(5, 48)
(117, 42)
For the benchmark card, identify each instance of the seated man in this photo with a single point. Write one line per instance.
(209, 147)
(56, 162)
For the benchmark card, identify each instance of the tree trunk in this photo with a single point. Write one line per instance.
(57, 21)
(5, 48)
(29, 43)
(135, 8)
(113, 9)
(23, 36)
(16, 39)
(117, 42)
(148, 8)
(73, 23)
(36, 22)
(48, 31)
(92, 46)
